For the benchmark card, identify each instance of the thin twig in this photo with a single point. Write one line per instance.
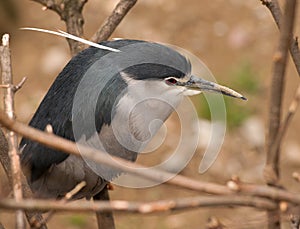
(278, 139)
(285, 124)
(32, 218)
(113, 20)
(275, 139)
(67, 197)
(70, 147)
(19, 85)
(271, 172)
(295, 53)
(277, 87)
(103, 33)
(273, 193)
(141, 207)
(75, 190)
(274, 8)
(4, 158)
(11, 136)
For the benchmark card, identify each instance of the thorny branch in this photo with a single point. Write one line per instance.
(13, 150)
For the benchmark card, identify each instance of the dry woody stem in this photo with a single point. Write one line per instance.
(9, 149)
(67, 146)
(274, 8)
(141, 207)
(67, 197)
(11, 136)
(113, 20)
(70, 11)
(277, 88)
(274, 137)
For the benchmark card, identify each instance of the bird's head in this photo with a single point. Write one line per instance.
(158, 68)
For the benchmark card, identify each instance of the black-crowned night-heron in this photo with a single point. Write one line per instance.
(111, 98)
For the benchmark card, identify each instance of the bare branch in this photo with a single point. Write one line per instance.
(276, 133)
(5, 160)
(13, 151)
(111, 22)
(19, 85)
(69, 11)
(295, 53)
(269, 192)
(285, 124)
(32, 218)
(70, 147)
(274, 8)
(141, 207)
(277, 87)
(75, 190)
(67, 197)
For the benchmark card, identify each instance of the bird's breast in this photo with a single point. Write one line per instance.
(141, 112)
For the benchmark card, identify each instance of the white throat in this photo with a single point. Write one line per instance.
(142, 110)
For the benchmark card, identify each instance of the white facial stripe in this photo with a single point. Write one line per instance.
(162, 85)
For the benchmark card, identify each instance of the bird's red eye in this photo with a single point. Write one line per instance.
(171, 81)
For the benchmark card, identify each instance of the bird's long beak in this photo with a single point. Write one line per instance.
(202, 85)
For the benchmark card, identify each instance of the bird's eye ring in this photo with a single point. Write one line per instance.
(171, 81)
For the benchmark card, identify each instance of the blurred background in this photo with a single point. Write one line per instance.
(236, 39)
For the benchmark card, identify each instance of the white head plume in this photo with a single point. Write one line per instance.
(70, 36)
